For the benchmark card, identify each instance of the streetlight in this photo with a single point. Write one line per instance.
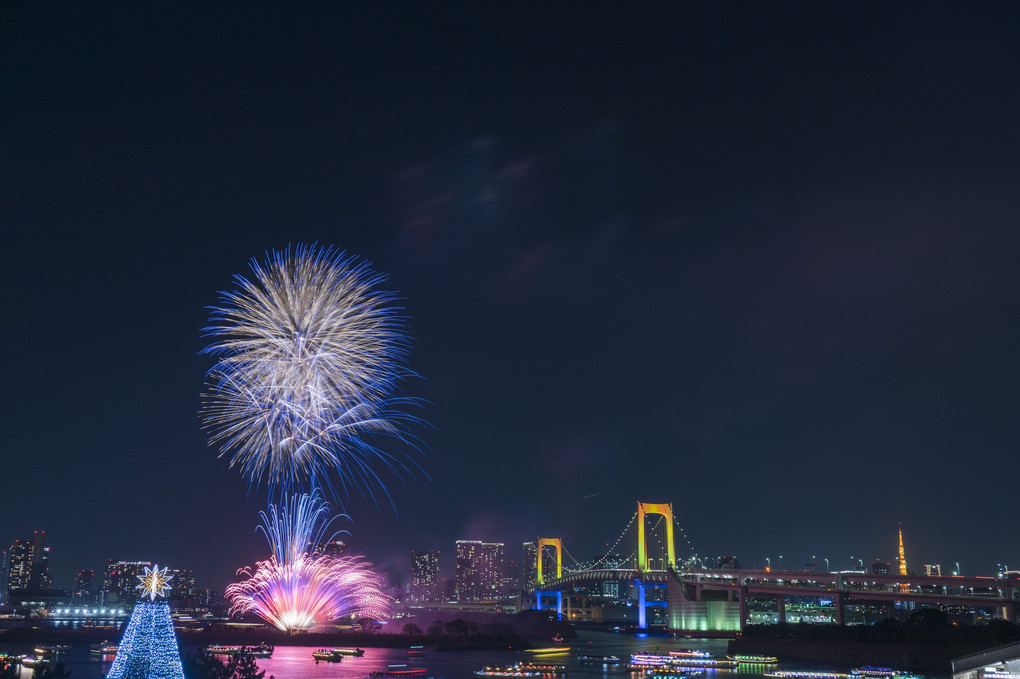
(780, 562)
(827, 566)
(768, 564)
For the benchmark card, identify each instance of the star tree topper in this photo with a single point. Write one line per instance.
(154, 582)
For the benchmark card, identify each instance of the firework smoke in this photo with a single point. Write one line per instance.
(309, 357)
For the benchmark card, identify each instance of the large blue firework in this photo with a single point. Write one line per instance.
(309, 358)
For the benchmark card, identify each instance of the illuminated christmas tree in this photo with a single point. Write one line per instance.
(148, 649)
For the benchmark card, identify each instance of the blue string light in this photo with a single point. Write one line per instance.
(148, 649)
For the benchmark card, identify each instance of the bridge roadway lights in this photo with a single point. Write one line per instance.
(642, 604)
(559, 601)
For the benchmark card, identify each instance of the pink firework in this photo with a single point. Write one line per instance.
(308, 591)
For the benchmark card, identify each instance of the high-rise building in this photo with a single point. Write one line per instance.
(933, 569)
(880, 567)
(424, 575)
(479, 568)
(529, 565)
(4, 567)
(83, 586)
(28, 564)
(121, 580)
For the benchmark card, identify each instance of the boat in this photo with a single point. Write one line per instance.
(882, 673)
(542, 668)
(674, 674)
(415, 650)
(506, 671)
(690, 653)
(351, 652)
(326, 655)
(263, 650)
(598, 659)
(52, 649)
(399, 671)
(754, 659)
(715, 663)
(105, 648)
(35, 661)
(649, 660)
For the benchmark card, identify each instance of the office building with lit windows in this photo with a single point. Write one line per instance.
(479, 570)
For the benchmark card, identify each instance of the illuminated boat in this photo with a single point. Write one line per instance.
(506, 671)
(352, 652)
(649, 660)
(882, 673)
(702, 662)
(542, 668)
(105, 648)
(399, 671)
(326, 655)
(599, 659)
(754, 659)
(689, 653)
(674, 674)
(415, 650)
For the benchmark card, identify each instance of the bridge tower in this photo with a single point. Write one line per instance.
(643, 509)
(553, 542)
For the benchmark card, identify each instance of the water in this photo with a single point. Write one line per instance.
(296, 662)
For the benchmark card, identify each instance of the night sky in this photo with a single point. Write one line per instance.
(759, 260)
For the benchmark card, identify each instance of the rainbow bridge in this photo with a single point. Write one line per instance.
(715, 601)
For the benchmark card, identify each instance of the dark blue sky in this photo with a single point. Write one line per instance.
(758, 261)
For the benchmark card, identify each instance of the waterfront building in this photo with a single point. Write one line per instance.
(83, 591)
(424, 575)
(479, 567)
(121, 579)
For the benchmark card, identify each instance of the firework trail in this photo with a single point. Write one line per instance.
(309, 357)
(296, 589)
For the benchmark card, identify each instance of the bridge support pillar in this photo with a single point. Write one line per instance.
(559, 601)
(643, 603)
(840, 604)
(781, 605)
(1009, 612)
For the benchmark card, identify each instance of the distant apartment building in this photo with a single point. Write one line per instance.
(28, 565)
(83, 586)
(529, 565)
(880, 567)
(933, 569)
(425, 583)
(121, 580)
(479, 569)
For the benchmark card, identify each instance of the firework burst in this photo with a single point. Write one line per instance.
(296, 588)
(313, 589)
(309, 357)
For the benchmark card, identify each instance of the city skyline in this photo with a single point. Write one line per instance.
(415, 583)
(759, 262)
